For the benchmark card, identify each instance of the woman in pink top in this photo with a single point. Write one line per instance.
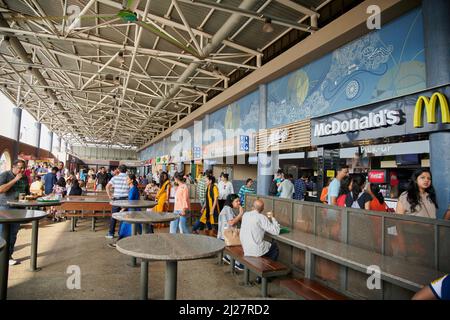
(182, 205)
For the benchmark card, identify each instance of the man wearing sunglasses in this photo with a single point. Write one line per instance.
(13, 183)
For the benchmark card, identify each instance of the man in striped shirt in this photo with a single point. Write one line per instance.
(246, 188)
(121, 189)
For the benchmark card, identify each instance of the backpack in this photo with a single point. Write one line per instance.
(273, 189)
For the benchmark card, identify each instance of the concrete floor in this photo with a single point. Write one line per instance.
(105, 274)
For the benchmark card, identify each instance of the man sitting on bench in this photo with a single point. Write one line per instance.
(253, 227)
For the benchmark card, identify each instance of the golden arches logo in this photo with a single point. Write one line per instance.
(430, 109)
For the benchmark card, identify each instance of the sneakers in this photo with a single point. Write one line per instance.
(13, 262)
(239, 266)
(226, 260)
(109, 236)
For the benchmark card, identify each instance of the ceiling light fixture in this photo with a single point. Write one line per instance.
(267, 27)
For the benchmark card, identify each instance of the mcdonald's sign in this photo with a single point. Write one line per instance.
(430, 108)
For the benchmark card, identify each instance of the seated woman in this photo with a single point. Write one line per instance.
(37, 187)
(75, 189)
(151, 190)
(228, 218)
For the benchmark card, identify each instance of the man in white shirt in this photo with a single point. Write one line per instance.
(286, 189)
(225, 189)
(253, 227)
(117, 189)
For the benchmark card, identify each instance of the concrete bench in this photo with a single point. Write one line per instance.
(262, 266)
(310, 290)
(393, 270)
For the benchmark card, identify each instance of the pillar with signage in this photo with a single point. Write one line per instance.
(264, 177)
(437, 58)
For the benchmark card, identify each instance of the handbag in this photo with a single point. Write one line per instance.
(231, 237)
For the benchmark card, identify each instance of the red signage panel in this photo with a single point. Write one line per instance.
(377, 176)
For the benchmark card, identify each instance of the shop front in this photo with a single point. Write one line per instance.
(385, 141)
(234, 157)
(290, 149)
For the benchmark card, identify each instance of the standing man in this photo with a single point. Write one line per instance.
(121, 188)
(246, 188)
(300, 189)
(50, 180)
(101, 179)
(333, 189)
(225, 189)
(286, 188)
(60, 172)
(12, 183)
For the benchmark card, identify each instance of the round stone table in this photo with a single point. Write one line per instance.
(33, 205)
(133, 204)
(170, 248)
(16, 216)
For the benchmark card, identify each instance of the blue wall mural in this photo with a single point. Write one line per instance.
(383, 64)
(240, 114)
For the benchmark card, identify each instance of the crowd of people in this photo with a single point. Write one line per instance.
(354, 191)
(222, 209)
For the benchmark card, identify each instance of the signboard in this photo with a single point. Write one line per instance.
(278, 136)
(244, 143)
(197, 151)
(377, 176)
(330, 173)
(396, 117)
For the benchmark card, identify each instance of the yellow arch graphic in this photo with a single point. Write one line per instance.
(430, 108)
